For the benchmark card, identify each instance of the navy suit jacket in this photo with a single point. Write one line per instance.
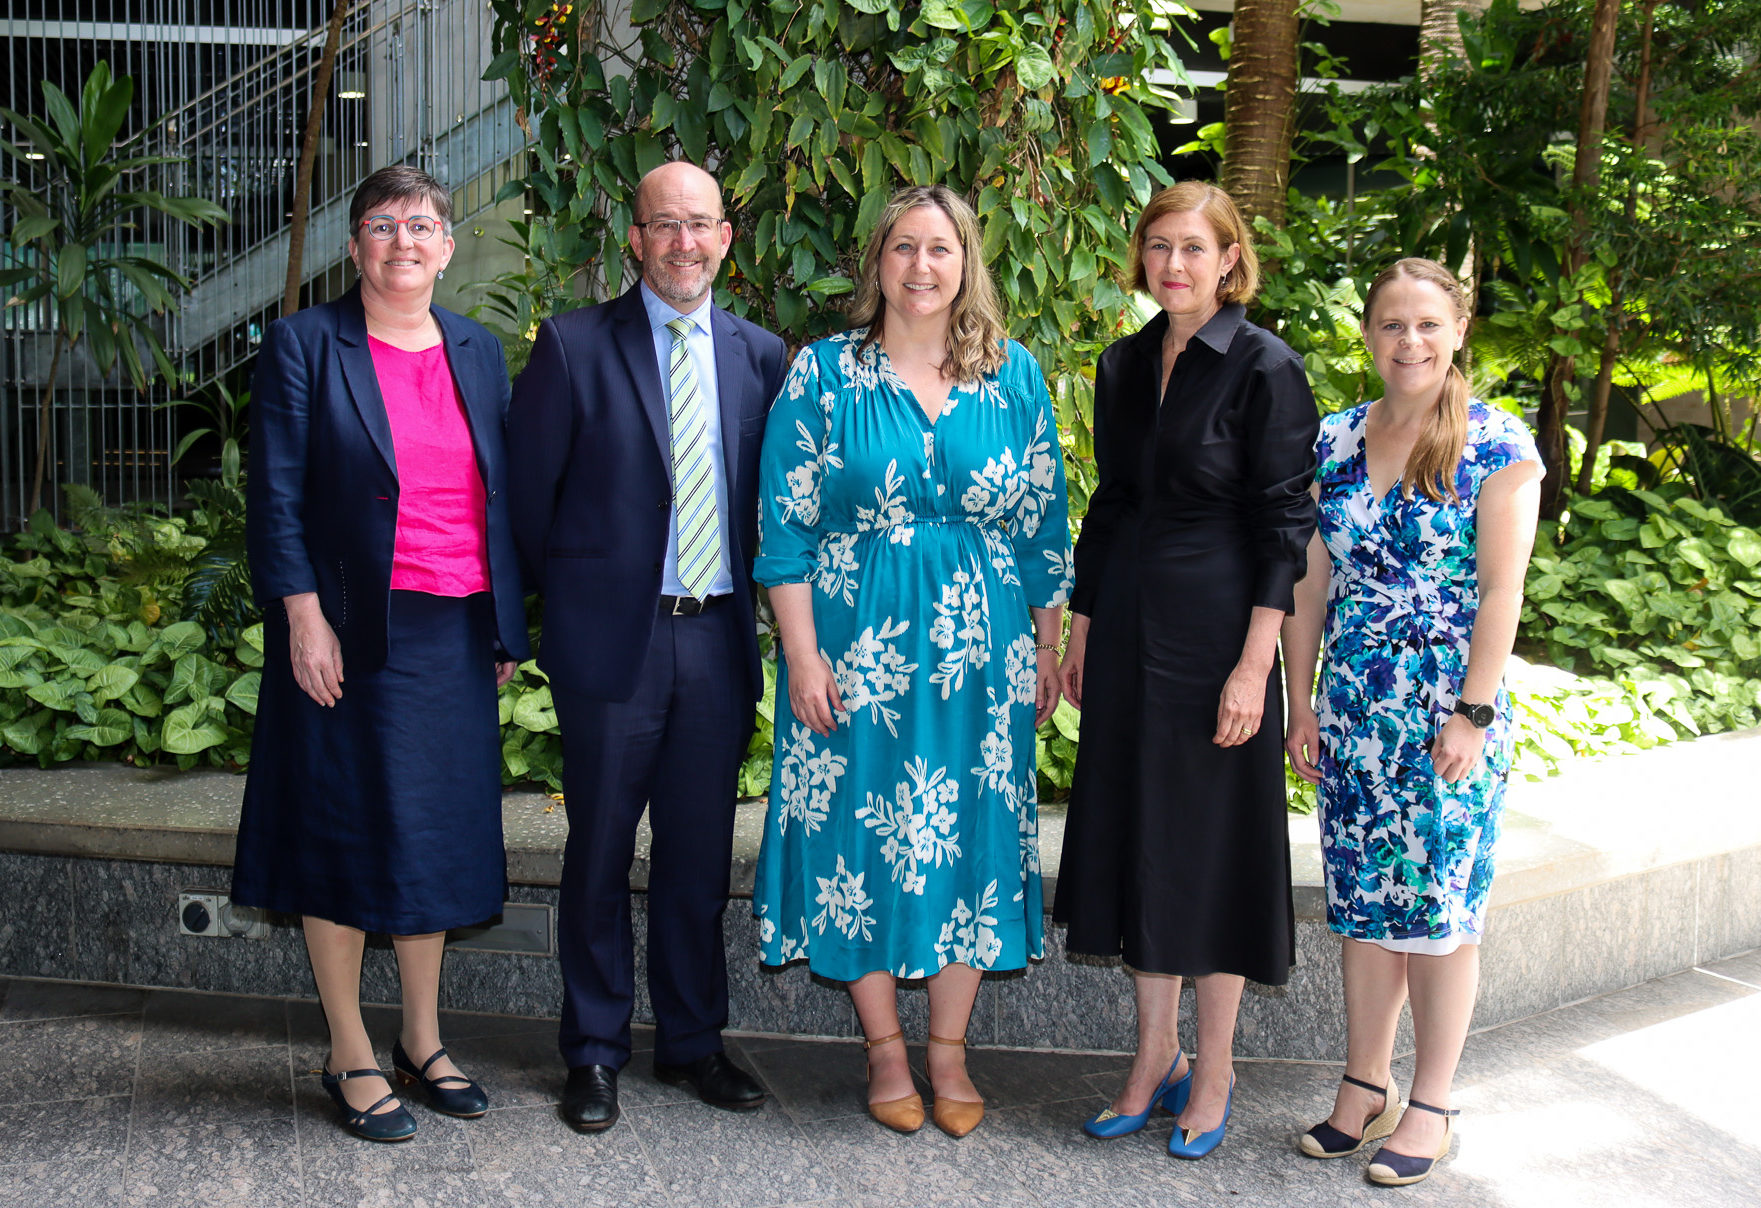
(592, 493)
(323, 490)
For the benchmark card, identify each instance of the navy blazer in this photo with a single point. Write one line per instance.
(592, 496)
(323, 491)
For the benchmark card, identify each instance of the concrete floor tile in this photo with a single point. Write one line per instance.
(1744, 967)
(28, 998)
(214, 1165)
(74, 1058)
(1046, 1148)
(95, 1184)
(64, 1130)
(926, 1167)
(518, 1138)
(222, 1087)
(179, 1021)
(526, 1155)
(816, 1079)
(705, 1156)
(521, 1069)
(400, 1175)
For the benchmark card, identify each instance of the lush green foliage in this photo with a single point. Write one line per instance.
(1661, 592)
(94, 663)
(814, 115)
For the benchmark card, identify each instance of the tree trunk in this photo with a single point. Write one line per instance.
(302, 199)
(1597, 419)
(43, 427)
(1440, 42)
(1440, 33)
(1259, 107)
(1585, 176)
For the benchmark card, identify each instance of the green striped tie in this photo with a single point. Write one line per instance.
(693, 484)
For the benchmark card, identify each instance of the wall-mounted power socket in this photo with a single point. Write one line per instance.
(212, 913)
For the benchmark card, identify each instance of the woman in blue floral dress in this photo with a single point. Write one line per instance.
(1427, 507)
(915, 540)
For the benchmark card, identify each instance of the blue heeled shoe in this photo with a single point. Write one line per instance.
(1170, 1094)
(1191, 1144)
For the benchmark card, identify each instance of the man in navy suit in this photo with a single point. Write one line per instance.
(644, 560)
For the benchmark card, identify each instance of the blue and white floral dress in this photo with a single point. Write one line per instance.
(1408, 856)
(908, 837)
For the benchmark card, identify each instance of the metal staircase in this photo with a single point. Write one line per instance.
(236, 78)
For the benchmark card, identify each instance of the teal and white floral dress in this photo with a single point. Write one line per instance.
(908, 837)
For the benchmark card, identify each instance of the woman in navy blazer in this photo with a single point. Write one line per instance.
(381, 551)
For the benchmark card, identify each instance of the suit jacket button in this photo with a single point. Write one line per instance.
(657, 566)
(665, 504)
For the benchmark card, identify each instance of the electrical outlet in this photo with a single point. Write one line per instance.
(208, 912)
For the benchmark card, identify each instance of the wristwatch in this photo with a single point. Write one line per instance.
(1480, 716)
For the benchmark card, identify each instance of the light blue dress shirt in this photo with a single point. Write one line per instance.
(700, 347)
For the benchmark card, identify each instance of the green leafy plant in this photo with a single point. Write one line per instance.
(1037, 112)
(1656, 588)
(78, 242)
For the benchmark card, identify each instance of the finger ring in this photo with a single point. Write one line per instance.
(1247, 731)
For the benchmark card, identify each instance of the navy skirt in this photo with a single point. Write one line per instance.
(383, 812)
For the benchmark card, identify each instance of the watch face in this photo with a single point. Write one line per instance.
(1480, 715)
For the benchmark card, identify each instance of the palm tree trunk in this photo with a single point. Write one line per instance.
(43, 427)
(1259, 107)
(302, 199)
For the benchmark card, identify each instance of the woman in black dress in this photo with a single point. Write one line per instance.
(381, 552)
(1176, 854)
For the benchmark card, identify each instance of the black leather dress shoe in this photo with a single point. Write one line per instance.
(590, 1100)
(717, 1081)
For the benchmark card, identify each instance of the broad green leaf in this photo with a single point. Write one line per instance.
(243, 691)
(1033, 67)
(534, 710)
(111, 681)
(181, 638)
(111, 727)
(190, 729)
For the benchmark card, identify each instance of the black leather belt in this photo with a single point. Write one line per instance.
(688, 606)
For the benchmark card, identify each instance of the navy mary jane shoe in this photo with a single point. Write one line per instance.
(370, 1124)
(449, 1094)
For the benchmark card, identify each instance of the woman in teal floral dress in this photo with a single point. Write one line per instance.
(1427, 506)
(915, 540)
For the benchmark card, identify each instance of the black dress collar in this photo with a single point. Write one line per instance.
(1217, 334)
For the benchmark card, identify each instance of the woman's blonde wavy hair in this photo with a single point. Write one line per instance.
(1436, 455)
(976, 332)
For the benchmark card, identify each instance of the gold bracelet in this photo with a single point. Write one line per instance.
(1045, 646)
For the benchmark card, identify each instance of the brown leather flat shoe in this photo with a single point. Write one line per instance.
(956, 1117)
(904, 1114)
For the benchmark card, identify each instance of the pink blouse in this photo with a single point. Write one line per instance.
(441, 546)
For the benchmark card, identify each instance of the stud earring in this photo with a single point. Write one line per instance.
(440, 274)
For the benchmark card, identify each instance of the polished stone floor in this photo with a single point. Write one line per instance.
(113, 1096)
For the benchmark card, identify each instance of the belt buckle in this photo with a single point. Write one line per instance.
(686, 606)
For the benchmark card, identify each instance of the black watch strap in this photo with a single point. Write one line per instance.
(1480, 715)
